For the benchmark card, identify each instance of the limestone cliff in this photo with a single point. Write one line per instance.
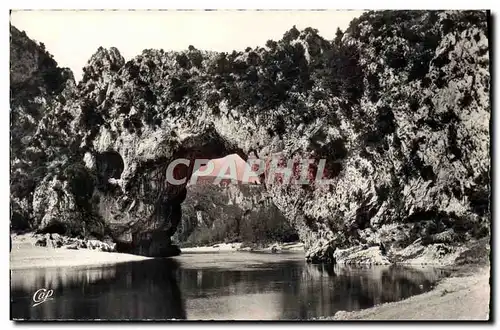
(398, 105)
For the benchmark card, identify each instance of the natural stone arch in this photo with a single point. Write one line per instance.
(153, 205)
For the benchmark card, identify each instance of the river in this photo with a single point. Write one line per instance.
(211, 286)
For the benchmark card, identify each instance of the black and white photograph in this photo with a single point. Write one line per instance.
(250, 165)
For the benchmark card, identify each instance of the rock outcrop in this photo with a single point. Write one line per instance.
(59, 241)
(398, 105)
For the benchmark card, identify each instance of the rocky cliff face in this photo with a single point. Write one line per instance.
(231, 213)
(38, 90)
(398, 105)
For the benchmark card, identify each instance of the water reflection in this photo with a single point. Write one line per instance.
(295, 290)
(137, 290)
(215, 286)
(327, 289)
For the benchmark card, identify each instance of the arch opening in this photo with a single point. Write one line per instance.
(109, 165)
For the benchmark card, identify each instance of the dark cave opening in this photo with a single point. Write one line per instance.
(109, 165)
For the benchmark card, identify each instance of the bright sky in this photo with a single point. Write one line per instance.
(73, 36)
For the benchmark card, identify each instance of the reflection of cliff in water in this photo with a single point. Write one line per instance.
(352, 288)
(299, 290)
(139, 290)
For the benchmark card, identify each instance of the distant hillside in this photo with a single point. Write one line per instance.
(231, 213)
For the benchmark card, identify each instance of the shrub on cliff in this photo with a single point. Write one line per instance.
(341, 73)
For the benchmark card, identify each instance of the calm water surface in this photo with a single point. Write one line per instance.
(227, 286)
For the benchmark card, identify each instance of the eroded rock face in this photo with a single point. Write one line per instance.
(398, 106)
